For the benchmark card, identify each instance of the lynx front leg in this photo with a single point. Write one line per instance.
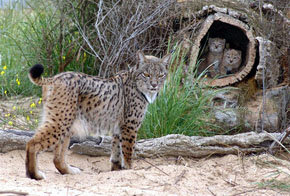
(116, 158)
(128, 146)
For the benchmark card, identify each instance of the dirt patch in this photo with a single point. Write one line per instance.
(227, 175)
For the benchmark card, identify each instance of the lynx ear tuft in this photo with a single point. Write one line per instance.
(166, 60)
(141, 57)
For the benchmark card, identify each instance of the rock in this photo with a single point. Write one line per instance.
(273, 110)
(228, 118)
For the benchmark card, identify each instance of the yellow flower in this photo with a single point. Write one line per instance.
(14, 108)
(5, 67)
(85, 55)
(10, 123)
(32, 105)
(18, 82)
(36, 120)
(2, 73)
(27, 118)
(7, 115)
(40, 100)
(5, 92)
(31, 112)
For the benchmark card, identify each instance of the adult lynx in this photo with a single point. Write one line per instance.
(76, 101)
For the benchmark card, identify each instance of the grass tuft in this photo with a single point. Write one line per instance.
(183, 105)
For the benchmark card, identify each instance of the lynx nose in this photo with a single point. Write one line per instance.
(153, 84)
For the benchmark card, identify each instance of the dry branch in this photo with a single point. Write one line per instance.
(281, 139)
(170, 145)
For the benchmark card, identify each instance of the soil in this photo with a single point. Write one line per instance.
(226, 175)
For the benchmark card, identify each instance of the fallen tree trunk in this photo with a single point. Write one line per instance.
(170, 145)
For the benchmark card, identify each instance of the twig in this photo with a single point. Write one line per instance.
(180, 176)
(230, 183)
(13, 192)
(211, 191)
(280, 140)
(251, 190)
(155, 166)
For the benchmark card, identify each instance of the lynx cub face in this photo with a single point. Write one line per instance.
(214, 57)
(216, 45)
(231, 61)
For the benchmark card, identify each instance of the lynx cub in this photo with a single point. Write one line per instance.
(214, 56)
(76, 101)
(231, 61)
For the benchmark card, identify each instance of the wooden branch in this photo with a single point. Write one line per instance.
(280, 139)
(170, 145)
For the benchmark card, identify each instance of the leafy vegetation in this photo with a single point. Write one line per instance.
(45, 32)
(32, 35)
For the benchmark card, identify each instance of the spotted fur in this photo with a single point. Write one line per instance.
(76, 103)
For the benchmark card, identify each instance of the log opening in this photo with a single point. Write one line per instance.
(234, 36)
(238, 36)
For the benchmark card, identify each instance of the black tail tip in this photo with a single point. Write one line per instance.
(36, 71)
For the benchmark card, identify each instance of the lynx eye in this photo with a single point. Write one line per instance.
(147, 75)
(161, 76)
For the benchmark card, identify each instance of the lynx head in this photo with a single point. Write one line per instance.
(232, 58)
(216, 44)
(150, 74)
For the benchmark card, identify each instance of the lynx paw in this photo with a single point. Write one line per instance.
(73, 170)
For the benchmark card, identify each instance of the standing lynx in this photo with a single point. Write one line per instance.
(76, 101)
(231, 61)
(214, 56)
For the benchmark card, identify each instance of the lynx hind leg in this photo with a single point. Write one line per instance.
(58, 118)
(41, 141)
(128, 146)
(116, 156)
(60, 157)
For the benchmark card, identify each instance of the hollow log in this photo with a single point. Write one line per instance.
(170, 145)
(238, 35)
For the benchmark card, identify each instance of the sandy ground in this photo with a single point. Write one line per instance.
(227, 175)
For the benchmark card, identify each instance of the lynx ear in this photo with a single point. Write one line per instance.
(141, 57)
(224, 41)
(166, 60)
(239, 52)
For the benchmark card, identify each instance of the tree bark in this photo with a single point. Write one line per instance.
(170, 145)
